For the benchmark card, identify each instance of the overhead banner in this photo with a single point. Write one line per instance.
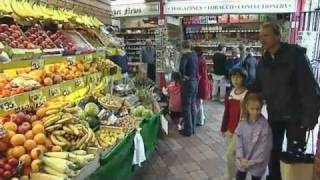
(143, 9)
(229, 6)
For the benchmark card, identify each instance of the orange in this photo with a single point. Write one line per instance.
(36, 122)
(3, 146)
(30, 144)
(35, 153)
(40, 139)
(17, 140)
(37, 129)
(35, 165)
(11, 133)
(29, 134)
(18, 151)
(26, 159)
(42, 148)
(10, 126)
(48, 143)
(41, 112)
(9, 152)
(56, 149)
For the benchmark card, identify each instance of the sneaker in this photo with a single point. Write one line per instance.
(179, 127)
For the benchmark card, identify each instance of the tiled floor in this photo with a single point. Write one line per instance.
(200, 157)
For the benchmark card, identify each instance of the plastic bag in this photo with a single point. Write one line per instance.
(139, 153)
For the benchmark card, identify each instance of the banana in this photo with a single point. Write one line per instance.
(61, 121)
(51, 121)
(59, 132)
(53, 111)
(62, 139)
(79, 143)
(56, 141)
(72, 110)
(74, 129)
(53, 127)
(68, 130)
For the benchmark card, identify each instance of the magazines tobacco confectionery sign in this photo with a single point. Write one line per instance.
(178, 7)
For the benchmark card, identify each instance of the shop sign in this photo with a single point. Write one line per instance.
(229, 7)
(143, 9)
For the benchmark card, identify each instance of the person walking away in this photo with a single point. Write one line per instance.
(250, 65)
(148, 57)
(286, 82)
(121, 59)
(188, 70)
(203, 86)
(253, 140)
(175, 103)
(219, 74)
(233, 62)
(231, 118)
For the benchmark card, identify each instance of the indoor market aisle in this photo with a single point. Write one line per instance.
(200, 157)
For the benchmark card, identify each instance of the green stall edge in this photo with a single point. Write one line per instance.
(117, 164)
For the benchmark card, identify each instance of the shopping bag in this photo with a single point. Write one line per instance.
(298, 168)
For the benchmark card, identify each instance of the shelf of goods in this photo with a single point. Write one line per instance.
(56, 121)
(135, 39)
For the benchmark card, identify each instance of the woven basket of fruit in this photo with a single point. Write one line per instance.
(111, 102)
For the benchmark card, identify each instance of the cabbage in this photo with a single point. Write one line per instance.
(91, 109)
(147, 113)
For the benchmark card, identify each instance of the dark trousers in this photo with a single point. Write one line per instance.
(189, 93)
(296, 143)
(151, 72)
(175, 116)
(243, 175)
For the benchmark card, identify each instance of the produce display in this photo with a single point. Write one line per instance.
(142, 112)
(108, 137)
(92, 37)
(12, 35)
(127, 123)
(39, 37)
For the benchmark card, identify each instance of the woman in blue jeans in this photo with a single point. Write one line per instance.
(188, 69)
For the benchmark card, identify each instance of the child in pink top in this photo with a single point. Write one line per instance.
(175, 103)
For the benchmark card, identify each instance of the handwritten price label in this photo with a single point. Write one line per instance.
(54, 91)
(37, 64)
(66, 90)
(37, 98)
(79, 82)
(8, 105)
(88, 58)
(71, 60)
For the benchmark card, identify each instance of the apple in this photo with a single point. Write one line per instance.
(1, 172)
(27, 118)
(20, 118)
(34, 118)
(24, 127)
(13, 162)
(2, 163)
(3, 36)
(7, 173)
(7, 167)
(14, 27)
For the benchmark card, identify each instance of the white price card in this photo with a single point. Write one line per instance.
(71, 60)
(37, 64)
(66, 90)
(79, 82)
(8, 104)
(54, 91)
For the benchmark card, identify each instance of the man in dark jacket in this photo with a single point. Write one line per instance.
(189, 71)
(219, 74)
(287, 83)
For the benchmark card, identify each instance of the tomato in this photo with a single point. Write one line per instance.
(7, 174)
(1, 172)
(7, 167)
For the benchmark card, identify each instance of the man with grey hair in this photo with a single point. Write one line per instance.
(189, 71)
(148, 57)
(285, 80)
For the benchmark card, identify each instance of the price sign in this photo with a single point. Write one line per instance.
(71, 60)
(66, 90)
(8, 104)
(79, 82)
(37, 64)
(54, 91)
(23, 107)
(37, 98)
(88, 58)
(3, 131)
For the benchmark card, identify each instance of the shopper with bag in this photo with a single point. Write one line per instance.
(253, 139)
(285, 80)
(188, 70)
(203, 86)
(231, 118)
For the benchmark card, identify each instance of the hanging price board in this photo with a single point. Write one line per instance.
(88, 58)
(37, 64)
(79, 82)
(66, 90)
(71, 60)
(8, 104)
(55, 91)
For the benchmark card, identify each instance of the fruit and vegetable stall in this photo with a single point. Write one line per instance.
(61, 115)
